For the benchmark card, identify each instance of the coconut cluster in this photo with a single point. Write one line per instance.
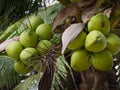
(96, 46)
(33, 42)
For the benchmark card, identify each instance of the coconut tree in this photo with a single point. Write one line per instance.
(68, 19)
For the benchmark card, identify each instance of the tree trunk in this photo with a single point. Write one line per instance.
(93, 80)
(97, 80)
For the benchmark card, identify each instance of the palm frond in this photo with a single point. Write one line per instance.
(31, 83)
(60, 75)
(49, 13)
(8, 77)
(13, 10)
(63, 75)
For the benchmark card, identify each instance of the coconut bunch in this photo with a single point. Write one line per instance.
(95, 46)
(33, 42)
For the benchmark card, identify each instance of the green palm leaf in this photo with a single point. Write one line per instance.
(49, 13)
(8, 77)
(13, 10)
(60, 74)
(31, 83)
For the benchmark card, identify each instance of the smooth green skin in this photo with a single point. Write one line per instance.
(102, 61)
(44, 31)
(113, 43)
(99, 22)
(22, 68)
(74, 0)
(14, 49)
(43, 46)
(80, 60)
(95, 41)
(78, 42)
(28, 38)
(33, 22)
(27, 56)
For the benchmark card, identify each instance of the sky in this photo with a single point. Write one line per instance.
(51, 2)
